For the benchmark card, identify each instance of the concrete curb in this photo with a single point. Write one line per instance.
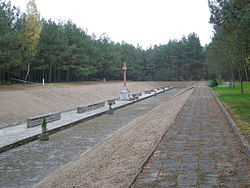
(240, 138)
(150, 154)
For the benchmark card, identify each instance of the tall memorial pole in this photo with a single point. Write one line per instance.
(124, 70)
(125, 93)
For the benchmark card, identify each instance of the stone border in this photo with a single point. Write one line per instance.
(37, 120)
(136, 96)
(150, 154)
(13, 124)
(148, 92)
(236, 130)
(91, 107)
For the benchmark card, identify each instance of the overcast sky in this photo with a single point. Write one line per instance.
(147, 22)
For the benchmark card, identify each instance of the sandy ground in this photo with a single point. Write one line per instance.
(18, 103)
(115, 161)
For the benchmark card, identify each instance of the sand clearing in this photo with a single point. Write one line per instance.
(18, 103)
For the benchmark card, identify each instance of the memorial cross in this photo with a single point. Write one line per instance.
(124, 69)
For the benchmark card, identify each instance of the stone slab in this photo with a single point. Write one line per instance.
(88, 108)
(37, 120)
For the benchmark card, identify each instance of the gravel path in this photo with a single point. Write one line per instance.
(199, 150)
(114, 162)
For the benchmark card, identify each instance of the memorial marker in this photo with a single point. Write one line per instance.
(125, 93)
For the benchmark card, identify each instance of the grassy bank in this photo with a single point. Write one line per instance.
(238, 105)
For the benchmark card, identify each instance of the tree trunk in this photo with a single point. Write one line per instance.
(232, 77)
(67, 75)
(241, 84)
(245, 69)
(55, 74)
(1, 79)
(50, 72)
(58, 75)
(186, 76)
(28, 72)
(4, 80)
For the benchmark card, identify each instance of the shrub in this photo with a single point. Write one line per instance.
(213, 83)
(44, 126)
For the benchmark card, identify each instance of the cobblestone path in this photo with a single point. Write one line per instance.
(199, 150)
(29, 164)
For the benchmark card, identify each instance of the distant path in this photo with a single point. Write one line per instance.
(199, 150)
(28, 164)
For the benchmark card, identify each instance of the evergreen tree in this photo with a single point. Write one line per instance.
(64, 52)
(10, 42)
(231, 22)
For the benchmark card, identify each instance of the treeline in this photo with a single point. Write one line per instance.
(32, 48)
(228, 55)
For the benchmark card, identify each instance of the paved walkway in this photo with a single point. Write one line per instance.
(199, 150)
(16, 134)
(29, 164)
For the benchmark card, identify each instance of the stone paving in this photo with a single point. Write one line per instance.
(28, 164)
(11, 135)
(199, 150)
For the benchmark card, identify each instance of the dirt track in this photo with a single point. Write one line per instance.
(18, 103)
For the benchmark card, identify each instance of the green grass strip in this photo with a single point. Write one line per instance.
(237, 104)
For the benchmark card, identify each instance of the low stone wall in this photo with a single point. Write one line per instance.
(149, 91)
(81, 110)
(136, 96)
(111, 102)
(166, 88)
(35, 121)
